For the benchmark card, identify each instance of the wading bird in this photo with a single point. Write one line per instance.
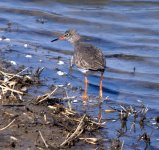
(86, 57)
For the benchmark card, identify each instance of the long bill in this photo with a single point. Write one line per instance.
(55, 40)
(59, 38)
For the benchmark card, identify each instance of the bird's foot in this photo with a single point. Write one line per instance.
(100, 94)
(100, 97)
(85, 97)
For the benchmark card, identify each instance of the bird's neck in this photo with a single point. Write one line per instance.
(75, 39)
(75, 43)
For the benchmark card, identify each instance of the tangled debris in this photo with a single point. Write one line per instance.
(80, 124)
(138, 117)
(14, 85)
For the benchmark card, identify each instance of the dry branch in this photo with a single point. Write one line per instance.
(45, 96)
(46, 145)
(7, 125)
(76, 133)
(4, 88)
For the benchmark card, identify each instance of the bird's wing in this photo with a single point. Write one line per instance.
(89, 57)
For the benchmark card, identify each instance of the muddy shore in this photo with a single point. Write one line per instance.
(49, 122)
(40, 122)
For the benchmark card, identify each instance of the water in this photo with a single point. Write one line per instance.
(126, 31)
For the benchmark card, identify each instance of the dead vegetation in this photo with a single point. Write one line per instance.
(19, 114)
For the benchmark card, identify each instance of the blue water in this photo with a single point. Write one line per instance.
(126, 31)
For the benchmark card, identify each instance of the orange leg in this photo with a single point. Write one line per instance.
(85, 97)
(100, 86)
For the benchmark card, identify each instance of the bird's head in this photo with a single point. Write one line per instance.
(70, 35)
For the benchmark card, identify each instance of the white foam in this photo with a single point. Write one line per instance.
(28, 56)
(61, 73)
(7, 40)
(25, 45)
(75, 101)
(60, 62)
(60, 85)
(13, 62)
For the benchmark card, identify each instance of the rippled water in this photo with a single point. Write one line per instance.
(126, 31)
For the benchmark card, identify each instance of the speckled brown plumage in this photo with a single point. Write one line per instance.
(88, 57)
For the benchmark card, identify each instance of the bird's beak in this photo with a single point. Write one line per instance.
(60, 38)
(55, 40)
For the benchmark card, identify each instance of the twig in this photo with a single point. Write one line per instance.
(46, 145)
(7, 125)
(76, 133)
(68, 98)
(90, 140)
(46, 96)
(122, 145)
(69, 102)
(17, 74)
(12, 75)
(9, 89)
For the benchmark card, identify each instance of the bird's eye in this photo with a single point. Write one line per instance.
(67, 34)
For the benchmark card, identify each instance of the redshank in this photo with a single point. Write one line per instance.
(86, 57)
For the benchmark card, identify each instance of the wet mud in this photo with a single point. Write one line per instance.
(47, 122)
